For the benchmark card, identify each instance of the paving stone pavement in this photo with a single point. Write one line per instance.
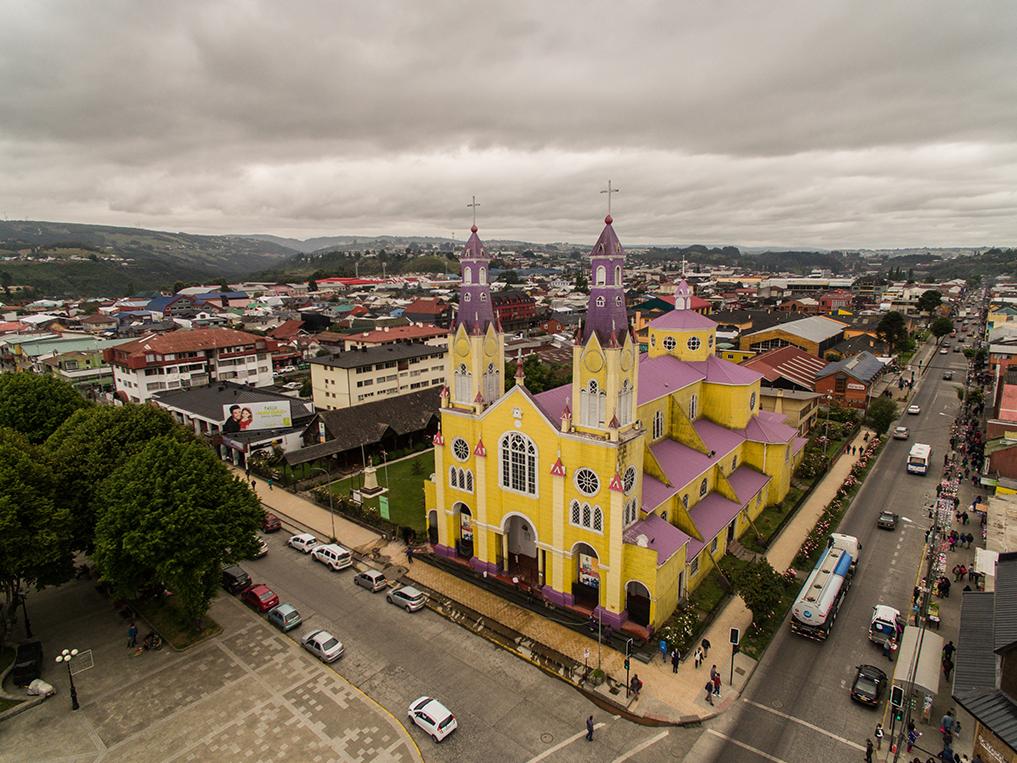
(250, 693)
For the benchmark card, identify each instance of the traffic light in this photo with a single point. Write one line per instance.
(626, 663)
(897, 696)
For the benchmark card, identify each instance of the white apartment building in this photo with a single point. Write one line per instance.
(353, 377)
(181, 359)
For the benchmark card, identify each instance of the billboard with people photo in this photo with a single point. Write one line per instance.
(241, 417)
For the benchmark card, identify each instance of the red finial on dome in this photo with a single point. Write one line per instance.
(609, 219)
(473, 229)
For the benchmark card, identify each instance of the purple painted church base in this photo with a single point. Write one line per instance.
(445, 551)
(610, 619)
(557, 598)
(482, 566)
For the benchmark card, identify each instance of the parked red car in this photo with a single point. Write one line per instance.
(270, 523)
(260, 597)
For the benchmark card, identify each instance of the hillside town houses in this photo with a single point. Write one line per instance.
(340, 343)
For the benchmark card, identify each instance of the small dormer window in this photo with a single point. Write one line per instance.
(466, 297)
(483, 296)
(618, 300)
(600, 301)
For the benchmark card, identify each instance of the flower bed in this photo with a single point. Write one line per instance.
(815, 541)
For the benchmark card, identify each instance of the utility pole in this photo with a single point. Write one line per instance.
(628, 645)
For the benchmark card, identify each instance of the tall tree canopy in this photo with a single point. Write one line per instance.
(892, 329)
(36, 405)
(941, 327)
(171, 515)
(35, 531)
(91, 444)
(882, 412)
(929, 301)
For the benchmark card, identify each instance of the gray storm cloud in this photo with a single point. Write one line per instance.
(800, 123)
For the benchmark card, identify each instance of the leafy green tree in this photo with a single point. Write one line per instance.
(882, 412)
(171, 515)
(312, 285)
(509, 277)
(761, 588)
(929, 301)
(582, 284)
(91, 444)
(36, 405)
(6, 280)
(941, 327)
(35, 531)
(892, 329)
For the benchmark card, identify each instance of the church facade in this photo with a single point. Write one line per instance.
(615, 494)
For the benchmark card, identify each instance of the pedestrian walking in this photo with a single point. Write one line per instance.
(970, 539)
(635, 685)
(705, 644)
(699, 657)
(269, 483)
(946, 723)
(868, 750)
(716, 684)
(676, 659)
(944, 588)
(964, 518)
(956, 572)
(663, 650)
(947, 667)
(948, 650)
(709, 691)
(589, 729)
(132, 635)
(913, 735)
(878, 733)
(253, 484)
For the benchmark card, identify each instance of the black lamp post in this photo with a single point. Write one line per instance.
(65, 657)
(24, 610)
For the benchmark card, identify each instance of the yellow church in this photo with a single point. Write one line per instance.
(616, 494)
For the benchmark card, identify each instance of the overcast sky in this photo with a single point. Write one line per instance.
(809, 123)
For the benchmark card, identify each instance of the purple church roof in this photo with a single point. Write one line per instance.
(655, 492)
(680, 464)
(719, 439)
(475, 310)
(552, 401)
(710, 516)
(664, 374)
(682, 319)
(662, 536)
(605, 311)
(746, 482)
(769, 427)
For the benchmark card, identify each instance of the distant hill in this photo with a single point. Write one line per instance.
(70, 259)
(985, 266)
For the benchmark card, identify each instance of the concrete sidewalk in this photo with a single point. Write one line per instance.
(666, 696)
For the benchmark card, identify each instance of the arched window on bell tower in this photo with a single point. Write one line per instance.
(591, 405)
(463, 382)
(625, 403)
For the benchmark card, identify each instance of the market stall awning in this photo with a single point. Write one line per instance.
(926, 675)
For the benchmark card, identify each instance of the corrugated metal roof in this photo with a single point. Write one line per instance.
(975, 660)
(1006, 601)
(994, 710)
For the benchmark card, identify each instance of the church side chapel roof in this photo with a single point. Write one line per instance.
(710, 515)
(657, 534)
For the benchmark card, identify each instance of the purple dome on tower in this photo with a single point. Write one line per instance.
(605, 312)
(475, 310)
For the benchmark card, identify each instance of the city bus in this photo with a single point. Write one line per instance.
(919, 458)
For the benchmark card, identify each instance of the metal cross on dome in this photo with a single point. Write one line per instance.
(473, 205)
(610, 191)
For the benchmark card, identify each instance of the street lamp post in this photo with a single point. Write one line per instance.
(328, 485)
(65, 657)
(24, 610)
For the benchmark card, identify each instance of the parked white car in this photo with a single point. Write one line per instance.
(303, 542)
(323, 645)
(433, 717)
(914, 410)
(333, 556)
(407, 597)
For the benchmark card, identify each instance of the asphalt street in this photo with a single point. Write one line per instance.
(508, 710)
(797, 708)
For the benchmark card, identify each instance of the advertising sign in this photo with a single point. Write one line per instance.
(243, 417)
(383, 507)
(465, 528)
(589, 571)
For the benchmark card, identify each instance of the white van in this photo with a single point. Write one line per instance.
(333, 556)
